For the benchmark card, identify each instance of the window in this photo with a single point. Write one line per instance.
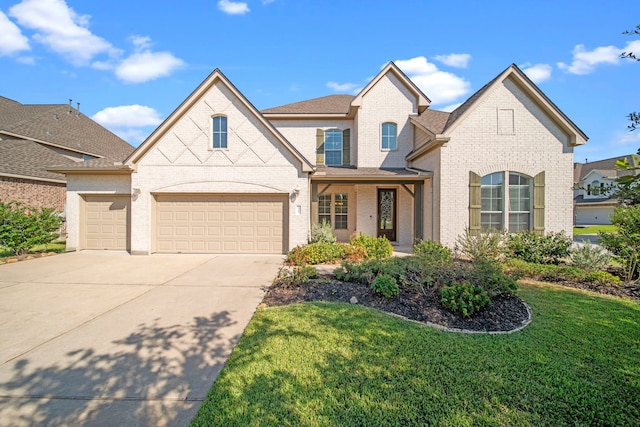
(491, 201)
(492, 193)
(594, 188)
(519, 202)
(333, 147)
(219, 134)
(389, 136)
(341, 208)
(324, 208)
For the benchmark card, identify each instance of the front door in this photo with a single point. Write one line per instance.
(387, 213)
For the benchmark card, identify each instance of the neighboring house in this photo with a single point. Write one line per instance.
(34, 138)
(220, 176)
(594, 184)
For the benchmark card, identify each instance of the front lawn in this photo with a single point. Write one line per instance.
(319, 364)
(594, 229)
(57, 246)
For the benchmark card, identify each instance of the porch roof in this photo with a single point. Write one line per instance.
(354, 174)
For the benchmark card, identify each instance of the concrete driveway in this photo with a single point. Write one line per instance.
(106, 338)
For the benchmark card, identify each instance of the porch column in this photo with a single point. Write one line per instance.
(418, 210)
(314, 203)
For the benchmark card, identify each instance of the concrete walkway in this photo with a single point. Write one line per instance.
(106, 338)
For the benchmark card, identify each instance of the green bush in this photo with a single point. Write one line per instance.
(464, 298)
(532, 247)
(316, 253)
(625, 244)
(22, 227)
(490, 277)
(548, 272)
(386, 285)
(374, 247)
(433, 252)
(485, 246)
(603, 278)
(322, 233)
(590, 258)
(295, 277)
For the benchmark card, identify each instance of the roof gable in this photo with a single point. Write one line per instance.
(215, 77)
(422, 100)
(576, 136)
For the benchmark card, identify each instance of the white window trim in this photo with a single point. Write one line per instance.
(211, 134)
(327, 131)
(506, 202)
(382, 136)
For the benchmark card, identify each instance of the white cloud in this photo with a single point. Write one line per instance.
(538, 72)
(344, 87)
(128, 116)
(265, 2)
(233, 8)
(459, 60)
(585, 61)
(27, 60)
(450, 108)
(61, 29)
(144, 65)
(12, 40)
(440, 86)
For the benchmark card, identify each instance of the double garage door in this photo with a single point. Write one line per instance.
(220, 224)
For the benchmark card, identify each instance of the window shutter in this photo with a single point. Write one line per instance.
(319, 147)
(346, 147)
(538, 203)
(475, 204)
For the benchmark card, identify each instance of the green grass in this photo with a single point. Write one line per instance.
(58, 246)
(323, 364)
(594, 229)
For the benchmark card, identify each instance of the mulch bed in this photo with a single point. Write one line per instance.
(502, 315)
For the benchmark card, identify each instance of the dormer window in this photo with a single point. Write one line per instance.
(219, 132)
(389, 136)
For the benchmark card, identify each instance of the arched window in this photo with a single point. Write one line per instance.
(219, 132)
(389, 136)
(595, 188)
(506, 205)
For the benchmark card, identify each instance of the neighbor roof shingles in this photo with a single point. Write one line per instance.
(30, 159)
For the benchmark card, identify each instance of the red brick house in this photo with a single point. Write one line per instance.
(34, 137)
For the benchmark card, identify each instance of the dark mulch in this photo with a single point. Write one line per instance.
(503, 314)
(628, 290)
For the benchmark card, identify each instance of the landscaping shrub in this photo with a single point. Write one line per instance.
(490, 276)
(590, 258)
(322, 233)
(316, 253)
(464, 298)
(625, 244)
(297, 276)
(386, 285)
(354, 253)
(374, 247)
(603, 278)
(22, 227)
(485, 246)
(532, 247)
(549, 272)
(433, 252)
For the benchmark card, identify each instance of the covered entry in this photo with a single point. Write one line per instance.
(221, 223)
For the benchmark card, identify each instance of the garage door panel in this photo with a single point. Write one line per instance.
(106, 222)
(220, 223)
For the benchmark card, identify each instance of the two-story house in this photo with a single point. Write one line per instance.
(595, 183)
(220, 176)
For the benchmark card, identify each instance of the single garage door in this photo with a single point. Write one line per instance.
(221, 223)
(106, 222)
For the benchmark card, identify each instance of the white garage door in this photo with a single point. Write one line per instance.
(106, 222)
(220, 223)
(593, 215)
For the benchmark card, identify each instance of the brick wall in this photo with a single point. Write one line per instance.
(33, 193)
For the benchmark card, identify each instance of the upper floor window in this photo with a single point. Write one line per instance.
(596, 188)
(333, 147)
(219, 133)
(389, 136)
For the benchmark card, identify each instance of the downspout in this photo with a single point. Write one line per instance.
(428, 174)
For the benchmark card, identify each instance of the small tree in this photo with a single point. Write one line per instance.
(625, 244)
(22, 227)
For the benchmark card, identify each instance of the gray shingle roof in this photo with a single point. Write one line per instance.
(63, 126)
(331, 104)
(30, 159)
(606, 166)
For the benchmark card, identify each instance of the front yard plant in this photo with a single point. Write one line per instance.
(23, 227)
(464, 298)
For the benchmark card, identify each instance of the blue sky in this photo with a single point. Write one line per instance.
(131, 63)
